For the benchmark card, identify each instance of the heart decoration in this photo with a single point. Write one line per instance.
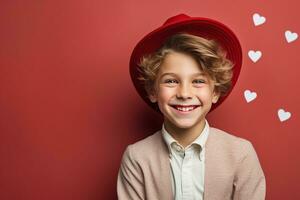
(249, 96)
(290, 36)
(254, 55)
(258, 19)
(283, 115)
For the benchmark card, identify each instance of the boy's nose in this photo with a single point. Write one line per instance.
(184, 92)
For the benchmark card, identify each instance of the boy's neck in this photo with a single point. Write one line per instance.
(182, 135)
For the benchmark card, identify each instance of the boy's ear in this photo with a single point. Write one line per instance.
(216, 96)
(152, 96)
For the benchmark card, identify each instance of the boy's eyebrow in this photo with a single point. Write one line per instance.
(196, 74)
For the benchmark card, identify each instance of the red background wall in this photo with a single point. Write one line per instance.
(68, 108)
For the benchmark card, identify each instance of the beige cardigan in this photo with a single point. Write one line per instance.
(232, 169)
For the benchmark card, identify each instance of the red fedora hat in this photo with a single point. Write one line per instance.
(199, 26)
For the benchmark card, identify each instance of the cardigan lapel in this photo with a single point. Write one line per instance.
(210, 163)
(165, 184)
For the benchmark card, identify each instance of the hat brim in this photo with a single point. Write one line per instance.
(199, 26)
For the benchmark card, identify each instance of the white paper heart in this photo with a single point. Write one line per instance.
(290, 36)
(249, 96)
(283, 115)
(258, 19)
(254, 55)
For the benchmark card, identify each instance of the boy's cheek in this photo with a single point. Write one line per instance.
(166, 93)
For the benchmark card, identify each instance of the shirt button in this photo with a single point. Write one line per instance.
(178, 148)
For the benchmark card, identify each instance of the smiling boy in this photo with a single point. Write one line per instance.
(184, 95)
(182, 71)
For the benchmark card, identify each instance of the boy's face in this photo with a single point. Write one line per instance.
(183, 93)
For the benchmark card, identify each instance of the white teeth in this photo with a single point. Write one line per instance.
(185, 109)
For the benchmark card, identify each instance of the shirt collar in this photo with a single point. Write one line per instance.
(200, 140)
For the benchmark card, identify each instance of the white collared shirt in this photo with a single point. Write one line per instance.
(187, 166)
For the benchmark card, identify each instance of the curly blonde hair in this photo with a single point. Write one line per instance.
(208, 54)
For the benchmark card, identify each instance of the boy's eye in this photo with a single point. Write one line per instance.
(170, 81)
(199, 81)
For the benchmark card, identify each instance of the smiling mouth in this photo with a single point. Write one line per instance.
(185, 109)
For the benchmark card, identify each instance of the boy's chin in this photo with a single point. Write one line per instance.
(183, 125)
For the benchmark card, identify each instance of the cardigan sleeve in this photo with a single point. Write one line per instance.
(130, 183)
(250, 182)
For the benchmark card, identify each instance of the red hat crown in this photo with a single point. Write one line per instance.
(176, 18)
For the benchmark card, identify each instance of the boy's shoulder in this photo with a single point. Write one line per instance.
(229, 144)
(226, 137)
(145, 150)
(147, 144)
